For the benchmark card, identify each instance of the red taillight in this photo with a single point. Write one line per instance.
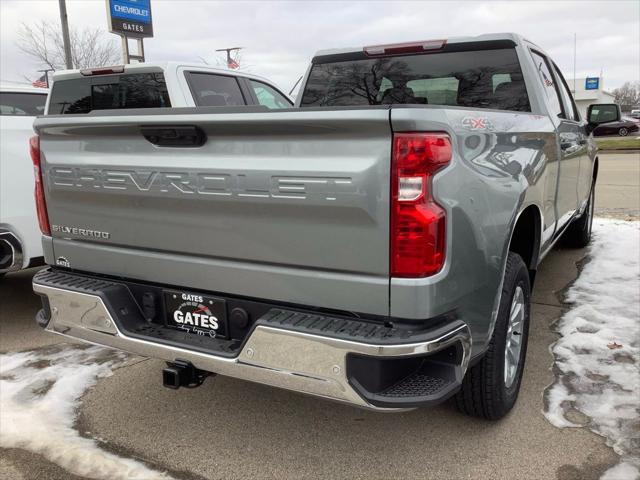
(41, 204)
(418, 223)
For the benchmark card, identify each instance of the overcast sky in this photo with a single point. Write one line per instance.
(280, 37)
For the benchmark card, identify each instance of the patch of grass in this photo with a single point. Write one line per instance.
(631, 143)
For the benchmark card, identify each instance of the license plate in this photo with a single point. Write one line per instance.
(198, 314)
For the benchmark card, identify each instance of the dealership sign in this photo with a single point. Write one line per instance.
(131, 18)
(592, 83)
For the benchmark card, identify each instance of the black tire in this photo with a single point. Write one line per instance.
(578, 234)
(484, 391)
(623, 132)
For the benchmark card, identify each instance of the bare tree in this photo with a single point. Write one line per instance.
(628, 94)
(89, 48)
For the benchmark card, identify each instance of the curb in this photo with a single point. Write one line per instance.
(628, 150)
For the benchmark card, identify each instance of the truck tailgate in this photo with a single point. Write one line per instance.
(290, 206)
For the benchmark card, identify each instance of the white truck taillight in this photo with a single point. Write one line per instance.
(418, 223)
(41, 205)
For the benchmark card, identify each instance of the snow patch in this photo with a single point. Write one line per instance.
(598, 354)
(40, 391)
(621, 471)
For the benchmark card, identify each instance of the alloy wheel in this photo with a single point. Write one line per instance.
(513, 343)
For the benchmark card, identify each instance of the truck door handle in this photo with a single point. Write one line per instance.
(174, 136)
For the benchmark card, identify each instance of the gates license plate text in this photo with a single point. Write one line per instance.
(196, 313)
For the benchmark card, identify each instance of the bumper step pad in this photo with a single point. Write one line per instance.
(416, 385)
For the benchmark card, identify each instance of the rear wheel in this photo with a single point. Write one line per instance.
(490, 388)
(623, 132)
(578, 234)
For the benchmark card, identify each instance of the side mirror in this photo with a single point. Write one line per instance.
(603, 113)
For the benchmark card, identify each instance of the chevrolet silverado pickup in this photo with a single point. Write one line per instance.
(374, 245)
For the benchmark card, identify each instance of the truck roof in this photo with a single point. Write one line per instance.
(164, 66)
(22, 88)
(487, 37)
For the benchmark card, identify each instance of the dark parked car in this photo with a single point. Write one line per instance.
(623, 127)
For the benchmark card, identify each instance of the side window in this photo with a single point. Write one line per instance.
(22, 104)
(268, 96)
(548, 83)
(567, 98)
(210, 90)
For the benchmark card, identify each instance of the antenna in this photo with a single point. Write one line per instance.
(295, 85)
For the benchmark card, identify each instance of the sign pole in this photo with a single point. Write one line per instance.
(575, 41)
(130, 19)
(141, 48)
(125, 49)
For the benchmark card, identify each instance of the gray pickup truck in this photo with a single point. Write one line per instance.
(375, 245)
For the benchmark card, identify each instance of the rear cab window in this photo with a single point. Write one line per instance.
(22, 104)
(109, 92)
(489, 78)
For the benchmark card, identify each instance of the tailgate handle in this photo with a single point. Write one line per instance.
(175, 136)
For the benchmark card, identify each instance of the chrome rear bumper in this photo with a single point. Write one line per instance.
(302, 362)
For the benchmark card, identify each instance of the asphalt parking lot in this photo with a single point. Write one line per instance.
(232, 429)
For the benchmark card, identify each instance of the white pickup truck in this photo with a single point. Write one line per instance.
(159, 85)
(20, 245)
(148, 85)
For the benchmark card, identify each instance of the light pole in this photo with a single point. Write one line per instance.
(65, 34)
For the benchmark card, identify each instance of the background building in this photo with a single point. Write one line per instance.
(587, 91)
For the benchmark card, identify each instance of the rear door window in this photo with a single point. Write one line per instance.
(476, 79)
(548, 84)
(269, 96)
(212, 90)
(22, 104)
(569, 105)
(109, 92)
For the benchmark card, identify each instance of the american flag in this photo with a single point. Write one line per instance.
(41, 82)
(231, 63)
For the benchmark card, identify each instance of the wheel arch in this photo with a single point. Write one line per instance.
(525, 238)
